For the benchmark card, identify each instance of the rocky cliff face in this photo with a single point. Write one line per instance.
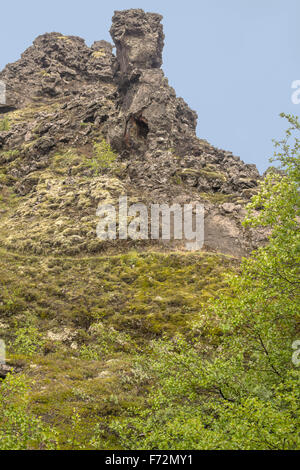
(64, 98)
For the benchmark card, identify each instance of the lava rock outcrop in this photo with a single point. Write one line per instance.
(63, 97)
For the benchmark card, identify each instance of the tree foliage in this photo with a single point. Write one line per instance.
(241, 389)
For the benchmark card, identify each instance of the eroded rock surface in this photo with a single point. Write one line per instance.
(63, 97)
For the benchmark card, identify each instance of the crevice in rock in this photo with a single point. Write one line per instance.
(7, 109)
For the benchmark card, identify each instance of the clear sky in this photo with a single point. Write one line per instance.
(233, 61)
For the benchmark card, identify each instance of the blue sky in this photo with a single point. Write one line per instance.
(233, 61)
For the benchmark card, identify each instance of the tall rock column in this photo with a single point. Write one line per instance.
(150, 118)
(139, 40)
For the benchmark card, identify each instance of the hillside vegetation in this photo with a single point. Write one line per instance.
(139, 344)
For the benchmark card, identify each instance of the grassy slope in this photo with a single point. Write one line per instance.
(75, 323)
(132, 297)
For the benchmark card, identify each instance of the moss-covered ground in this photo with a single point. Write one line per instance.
(75, 327)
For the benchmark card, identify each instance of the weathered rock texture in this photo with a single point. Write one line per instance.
(139, 40)
(62, 97)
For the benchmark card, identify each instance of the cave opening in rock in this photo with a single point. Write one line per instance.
(142, 127)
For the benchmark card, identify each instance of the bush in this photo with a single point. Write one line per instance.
(243, 391)
(4, 124)
(27, 341)
(103, 157)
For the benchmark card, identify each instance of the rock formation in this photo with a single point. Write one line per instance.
(151, 119)
(62, 97)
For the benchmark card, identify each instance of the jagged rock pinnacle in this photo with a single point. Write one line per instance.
(139, 39)
(63, 97)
